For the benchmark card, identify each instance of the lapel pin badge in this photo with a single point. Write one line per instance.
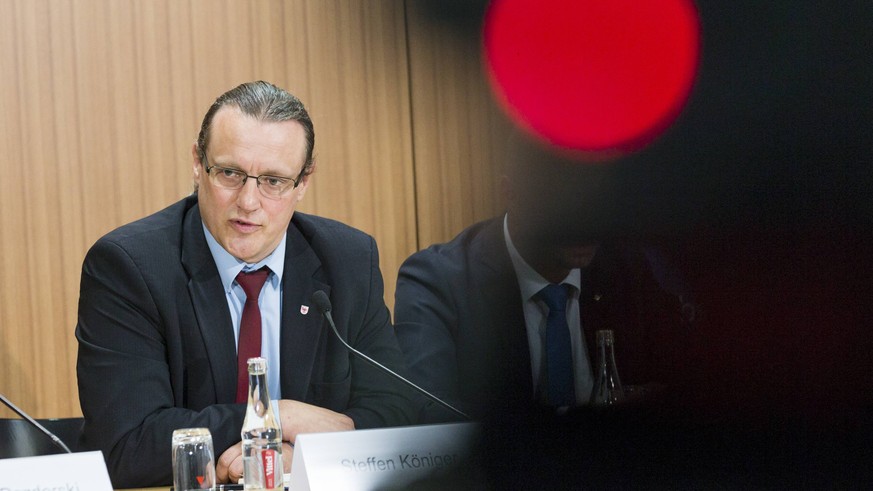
(304, 309)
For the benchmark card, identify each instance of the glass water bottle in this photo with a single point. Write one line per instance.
(261, 435)
(607, 385)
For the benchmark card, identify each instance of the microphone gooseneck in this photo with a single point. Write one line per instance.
(57, 441)
(322, 303)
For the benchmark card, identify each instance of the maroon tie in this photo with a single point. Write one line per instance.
(249, 345)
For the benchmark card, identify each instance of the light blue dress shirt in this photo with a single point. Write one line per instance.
(270, 301)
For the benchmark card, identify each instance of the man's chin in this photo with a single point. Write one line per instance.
(578, 256)
(246, 253)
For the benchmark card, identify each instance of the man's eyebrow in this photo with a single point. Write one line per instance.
(275, 173)
(269, 172)
(229, 165)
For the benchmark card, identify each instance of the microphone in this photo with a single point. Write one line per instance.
(322, 303)
(57, 441)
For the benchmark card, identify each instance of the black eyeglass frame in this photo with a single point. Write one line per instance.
(257, 179)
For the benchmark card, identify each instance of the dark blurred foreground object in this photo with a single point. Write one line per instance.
(18, 438)
(660, 447)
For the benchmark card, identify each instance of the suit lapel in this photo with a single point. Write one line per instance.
(302, 324)
(210, 306)
(497, 273)
(502, 298)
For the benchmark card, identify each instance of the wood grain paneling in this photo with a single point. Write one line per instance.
(359, 93)
(458, 128)
(100, 101)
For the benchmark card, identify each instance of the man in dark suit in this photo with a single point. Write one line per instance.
(160, 307)
(474, 325)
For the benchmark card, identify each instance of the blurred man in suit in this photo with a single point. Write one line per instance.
(162, 328)
(474, 315)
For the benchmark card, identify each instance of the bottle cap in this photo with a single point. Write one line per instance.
(257, 366)
(605, 336)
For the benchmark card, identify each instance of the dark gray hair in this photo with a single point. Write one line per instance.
(266, 102)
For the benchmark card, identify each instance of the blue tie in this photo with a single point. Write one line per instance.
(559, 358)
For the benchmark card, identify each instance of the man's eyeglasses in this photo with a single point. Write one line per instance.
(271, 186)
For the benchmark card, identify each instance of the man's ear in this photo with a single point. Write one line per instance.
(197, 166)
(304, 183)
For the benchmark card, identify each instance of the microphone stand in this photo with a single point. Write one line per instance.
(57, 441)
(321, 301)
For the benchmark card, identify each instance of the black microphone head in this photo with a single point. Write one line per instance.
(321, 302)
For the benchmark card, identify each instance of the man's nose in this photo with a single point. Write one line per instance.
(249, 196)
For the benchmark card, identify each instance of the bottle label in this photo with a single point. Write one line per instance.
(269, 462)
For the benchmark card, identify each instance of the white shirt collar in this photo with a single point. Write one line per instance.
(229, 266)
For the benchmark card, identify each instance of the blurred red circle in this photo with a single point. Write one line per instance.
(599, 76)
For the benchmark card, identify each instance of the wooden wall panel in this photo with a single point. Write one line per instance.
(458, 128)
(359, 93)
(100, 101)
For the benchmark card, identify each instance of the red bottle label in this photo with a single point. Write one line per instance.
(269, 461)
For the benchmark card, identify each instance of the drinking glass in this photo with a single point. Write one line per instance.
(193, 459)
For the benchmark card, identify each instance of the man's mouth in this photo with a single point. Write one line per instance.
(244, 226)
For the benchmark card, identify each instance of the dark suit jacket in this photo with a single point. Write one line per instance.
(157, 350)
(459, 320)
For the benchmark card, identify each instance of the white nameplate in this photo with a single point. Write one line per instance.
(378, 459)
(84, 471)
